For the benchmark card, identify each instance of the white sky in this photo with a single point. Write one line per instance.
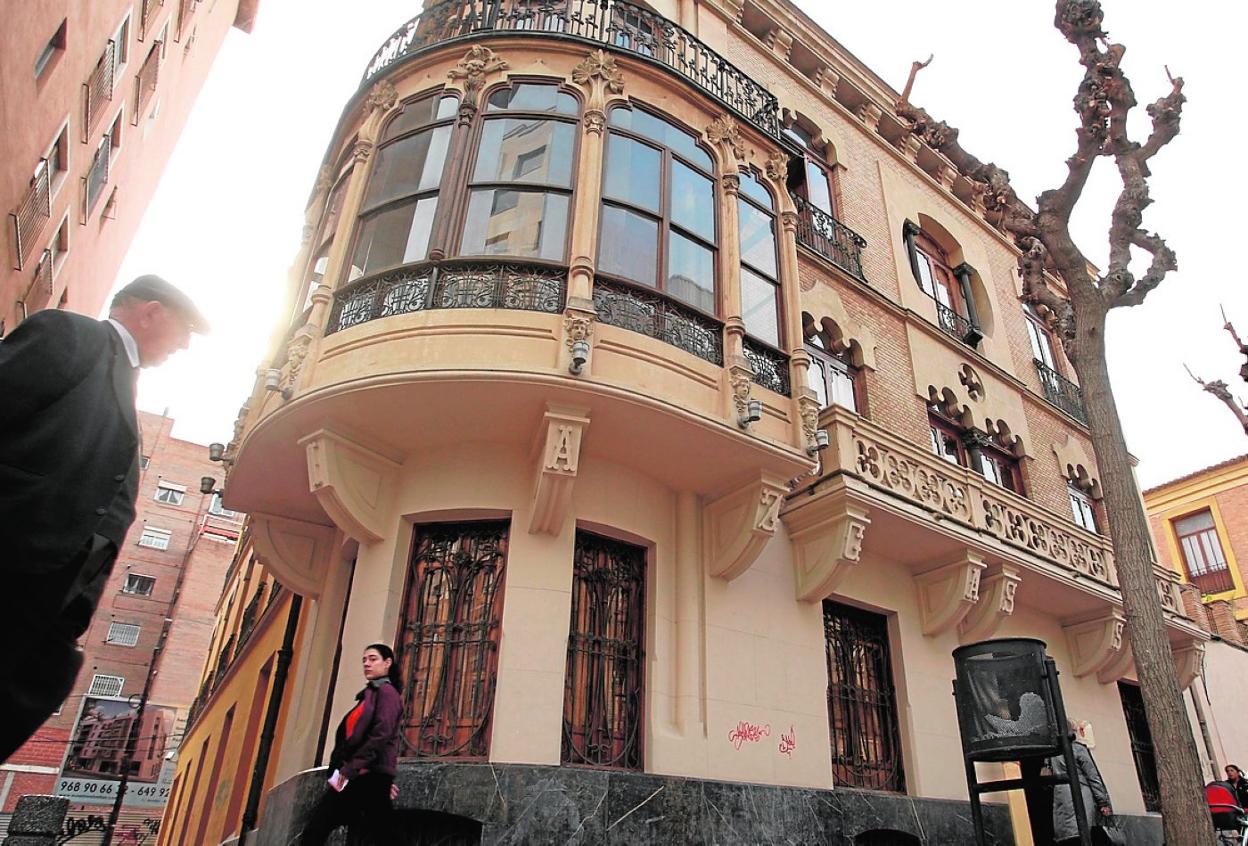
(226, 219)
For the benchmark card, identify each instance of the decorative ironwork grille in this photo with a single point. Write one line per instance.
(1141, 744)
(602, 704)
(431, 286)
(616, 25)
(145, 82)
(955, 325)
(98, 89)
(830, 238)
(664, 319)
(450, 629)
(1061, 392)
(33, 211)
(771, 368)
(251, 615)
(97, 175)
(862, 706)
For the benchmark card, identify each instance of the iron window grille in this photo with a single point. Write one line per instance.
(602, 704)
(102, 685)
(862, 704)
(449, 638)
(98, 89)
(122, 634)
(1141, 744)
(32, 212)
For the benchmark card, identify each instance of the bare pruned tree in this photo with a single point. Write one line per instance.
(1219, 388)
(1059, 280)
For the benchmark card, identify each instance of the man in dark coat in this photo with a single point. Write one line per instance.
(69, 473)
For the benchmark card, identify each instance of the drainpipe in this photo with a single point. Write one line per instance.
(270, 720)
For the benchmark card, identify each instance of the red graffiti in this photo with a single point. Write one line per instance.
(748, 733)
(788, 742)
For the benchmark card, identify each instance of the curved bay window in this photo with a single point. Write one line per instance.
(974, 449)
(520, 187)
(602, 704)
(658, 209)
(324, 239)
(760, 285)
(396, 215)
(449, 638)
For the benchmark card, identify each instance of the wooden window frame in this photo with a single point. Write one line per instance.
(842, 363)
(1083, 508)
(777, 293)
(1215, 577)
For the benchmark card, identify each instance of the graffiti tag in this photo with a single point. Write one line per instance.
(747, 732)
(788, 742)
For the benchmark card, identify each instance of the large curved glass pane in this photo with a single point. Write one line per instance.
(633, 172)
(413, 116)
(395, 236)
(408, 166)
(758, 308)
(537, 152)
(758, 239)
(691, 272)
(756, 191)
(629, 245)
(667, 134)
(693, 201)
(515, 223)
(529, 97)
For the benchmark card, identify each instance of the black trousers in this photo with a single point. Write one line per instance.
(41, 617)
(363, 806)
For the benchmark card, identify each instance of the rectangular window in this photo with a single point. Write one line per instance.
(102, 685)
(1141, 744)
(57, 157)
(58, 247)
(144, 460)
(54, 47)
(451, 623)
(215, 507)
(1081, 508)
(1202, 552)
(170, 493)
(602, 702)
(155, 538)
(138, 585)
(862, 705)
(97, 175)
(122, 634)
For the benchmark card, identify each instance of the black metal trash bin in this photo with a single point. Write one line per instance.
(1005, 701)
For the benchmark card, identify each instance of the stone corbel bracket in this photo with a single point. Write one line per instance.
(1097, 645)
(827, 533)
(559, 451)
(947, 593)
(737, 525)
(353, 482)
(1188, 662)
(297, 553)
(996, 603)
(1119, 668)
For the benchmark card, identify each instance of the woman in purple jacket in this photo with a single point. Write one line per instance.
(362, 765)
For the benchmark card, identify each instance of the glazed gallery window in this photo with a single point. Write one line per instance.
(325, 237)
(1202, 552)
(760, 283)
(449, 650)
(520, 187)
(658, 209)
(603, 684)
(396, 215)
(862, 704)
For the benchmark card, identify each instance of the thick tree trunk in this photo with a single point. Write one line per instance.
(1185, 816)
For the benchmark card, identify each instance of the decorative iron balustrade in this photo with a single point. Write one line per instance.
(145, 82)
(98, 89)
(613, 24)
(223, 661)
(956, 326)
(830, 238)
(251, 615)
(32, 212)
(433, 286)
(1061, 392)
(771, 367)
(97, 175)
(660, 317)
(602, 697)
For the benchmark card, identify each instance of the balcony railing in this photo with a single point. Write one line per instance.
(97, 175)
(956, 326)
(41, 287)
(251, 614)
(98, 90)
(145, 82)
(613, 24)
(186, 8)
(1061, 392)
(422, 287)
(771, 367)
(660, 317)
(32, 212)
(830, 238)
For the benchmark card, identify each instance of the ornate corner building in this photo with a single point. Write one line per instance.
(670, 406)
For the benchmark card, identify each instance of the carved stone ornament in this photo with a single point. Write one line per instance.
(577, 327)
(739, 524)
(724, 133)
(869, 113)
(947, 593)
(599, 75)
(741, 381)
(382, 97)
(809, 406)
(595, 121)
(559, 450)
(1096, 645)
(361, 151)
(296, 354)
(777, 167)
(827, 532)
(996, 602)
(1188, 662)
(971, 381)
(297, 553)
(352, 481)
(474, 67)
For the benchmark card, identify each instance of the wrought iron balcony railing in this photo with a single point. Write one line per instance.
(956, 326)
(771, 367)
(422, 287)
(145, 82)
(660, 317)
(1061, 392)
(98, 90)
(829, 238)
(32, 212)
(251, 615)
(613, 24)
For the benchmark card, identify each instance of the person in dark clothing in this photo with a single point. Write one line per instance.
(1235, 778)
(363, 763)
(1096, 804)
(69, 473)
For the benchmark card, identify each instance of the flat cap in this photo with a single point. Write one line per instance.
(151, 287)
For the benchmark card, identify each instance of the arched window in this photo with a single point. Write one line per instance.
(658, 209)
(324, 239)
(396, 215)
(973, 448)
(1041, 339)
(812, 181)
(832, 374)
(949, 286)
(761, 306)
(520, 187)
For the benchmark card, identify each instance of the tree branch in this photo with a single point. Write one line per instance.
(1219, 389)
